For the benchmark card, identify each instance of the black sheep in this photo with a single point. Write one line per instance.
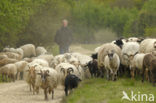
(93, 68)
(71, 81)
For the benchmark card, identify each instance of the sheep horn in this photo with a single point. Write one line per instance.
(62, 69)
(70, 69)
(47, 71)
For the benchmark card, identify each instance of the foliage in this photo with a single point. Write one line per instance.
(36, 21)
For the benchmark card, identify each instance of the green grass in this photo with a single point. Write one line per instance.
(103, 91)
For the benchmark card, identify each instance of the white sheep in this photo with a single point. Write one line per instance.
(28, 50)
(47, 57)
(9, 71)
(20, 68)
(47, 80)
(40, 50)
(104, 50)
(128, 51)
(112, 63)
(148, 45)
(41, 62)
(137, 63)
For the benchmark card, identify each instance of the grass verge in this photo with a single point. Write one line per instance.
(98, 90)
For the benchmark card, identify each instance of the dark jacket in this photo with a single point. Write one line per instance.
(63, 36)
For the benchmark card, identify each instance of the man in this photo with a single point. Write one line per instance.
(63, 37)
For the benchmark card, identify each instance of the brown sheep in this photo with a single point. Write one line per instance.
(146, 64)
(152, 70)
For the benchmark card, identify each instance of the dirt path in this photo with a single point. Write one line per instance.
(18, 92)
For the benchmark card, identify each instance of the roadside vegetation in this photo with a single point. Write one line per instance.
(99, 90)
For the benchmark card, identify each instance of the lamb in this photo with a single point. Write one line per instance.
(49, 80)
(20, 68)
(148, 45)
(40, 51)
(137, 63)
(71, 81)
(112, 63)
(9, 70)
(28, 50)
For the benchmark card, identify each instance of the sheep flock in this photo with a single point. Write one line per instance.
(131, 57)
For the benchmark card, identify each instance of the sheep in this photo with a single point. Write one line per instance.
(128, 51)
(12, 55)
(112, 63)
(7, 61)
(64, 69)
(41, 62)
(146, 64)
(40, 50)
(84, 59)
(103, 52)
(20, 68)
(13, 50)
(47, 57)
(93, 68)
(28, 50)
(136, 63)
(148, 45)
(152, 70)
(71, 81)
(30, 74)
(119, 42)
(2, 56)
(49, 80)
(97, 49)
(9, 71)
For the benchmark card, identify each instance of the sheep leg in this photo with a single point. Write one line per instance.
(45, 94)
(33, 88)
(21, 75)
(66, 91)
(30, 87)
(3, 77)
(143, 72)
(108, 74)
(52, 94)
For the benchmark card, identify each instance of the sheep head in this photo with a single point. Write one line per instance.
(44, 75)
(110, 54)
(32, 71)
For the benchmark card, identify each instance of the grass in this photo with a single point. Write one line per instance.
(98, 90)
